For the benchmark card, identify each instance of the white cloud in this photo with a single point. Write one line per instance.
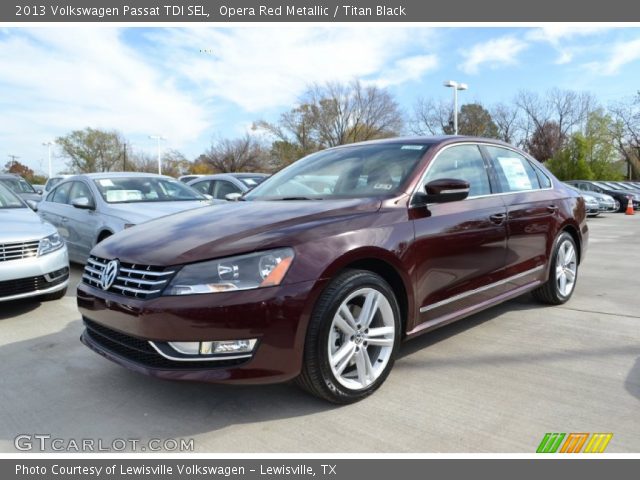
(263, 68)
(407, 69)
(556, 32)
(620, 55)
(57, 80)
(495, 52)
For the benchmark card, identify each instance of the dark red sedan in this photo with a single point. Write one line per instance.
(322, 270)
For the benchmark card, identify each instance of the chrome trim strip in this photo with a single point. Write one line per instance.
(135, 290)
(460, 296)
(141, 282)
(36, 293)
(146, 272)
(92, 270)
(209, 359)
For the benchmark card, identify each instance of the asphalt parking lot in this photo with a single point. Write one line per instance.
(496, 382)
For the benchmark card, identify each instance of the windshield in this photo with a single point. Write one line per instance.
(18, 185)
(357, 171)
(8, 199)
(144, 189)
(52, 182)
(603, 186)
(251, 182)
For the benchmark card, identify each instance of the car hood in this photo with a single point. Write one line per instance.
(601, 196)
(222, 230)
(22, 224)
(142, 212)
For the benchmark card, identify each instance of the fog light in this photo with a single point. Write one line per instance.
(213, 348)
(186, 348)
(234, 346)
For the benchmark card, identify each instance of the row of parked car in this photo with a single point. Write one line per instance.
(607, 196)
(41, 232)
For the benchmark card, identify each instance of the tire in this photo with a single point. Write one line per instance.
(565, 258)
(55, 295)
(365, 358)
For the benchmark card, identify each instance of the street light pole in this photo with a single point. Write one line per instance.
(456, 86)
(157, 138)
(49, 144)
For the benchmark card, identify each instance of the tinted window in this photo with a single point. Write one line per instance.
(60, 194)
(18, 185)
(515, 173)
(202, 187)
(223, 188)
(545, 181)
(8, 199)
(80, 190)
(463, 162)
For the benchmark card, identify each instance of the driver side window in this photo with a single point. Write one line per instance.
(462, 162)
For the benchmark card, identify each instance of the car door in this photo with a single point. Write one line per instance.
(461, 244)
(221, 188)
(52, 209)
(203, 187)
(81, 223)
(532, 211)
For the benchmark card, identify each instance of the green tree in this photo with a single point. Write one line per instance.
(570, 163)
(474, 120)
(92, 150)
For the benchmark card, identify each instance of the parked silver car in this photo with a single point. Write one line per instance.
(222, 184)
(604, 202)
(19, 186)
(88, 208)
(33, 256)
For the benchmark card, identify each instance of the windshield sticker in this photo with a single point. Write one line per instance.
(106, 182)
(382, 186)
(412, 147)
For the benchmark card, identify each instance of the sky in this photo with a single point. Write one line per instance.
(196, 85)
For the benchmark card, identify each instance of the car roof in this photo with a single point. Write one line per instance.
(121, 175)
(429, 139)
(222, 176)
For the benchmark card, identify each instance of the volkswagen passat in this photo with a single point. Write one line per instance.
(322, 287)
(33, 257)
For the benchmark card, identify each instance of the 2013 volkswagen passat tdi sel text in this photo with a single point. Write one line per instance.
(329, 264)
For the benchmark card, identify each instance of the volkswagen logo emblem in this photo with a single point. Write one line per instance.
(109, 274)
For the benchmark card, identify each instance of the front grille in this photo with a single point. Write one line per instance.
(133, 280)
(33, 284)
(18, 250)
(141, 352)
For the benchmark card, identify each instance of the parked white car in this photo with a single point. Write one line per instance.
(33, 255)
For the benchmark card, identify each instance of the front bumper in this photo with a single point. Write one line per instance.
(30, 277)
(121, 329)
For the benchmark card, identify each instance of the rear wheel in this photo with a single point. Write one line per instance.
(352, 339)
(563, 272)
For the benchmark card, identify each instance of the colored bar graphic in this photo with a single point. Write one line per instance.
(550, 442)
(598, 443)
(574, 442)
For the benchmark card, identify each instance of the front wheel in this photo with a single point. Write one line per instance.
(352, 339)
(563, 272)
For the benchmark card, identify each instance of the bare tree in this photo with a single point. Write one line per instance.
(507, 121)
(245, 154)
(626, 132)
(430, 117)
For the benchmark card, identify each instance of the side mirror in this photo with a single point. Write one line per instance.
(232, 197)
(82, 203)
(33, 205)
(443, 190)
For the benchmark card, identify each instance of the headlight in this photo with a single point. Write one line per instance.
(244, 272)
(50, 244)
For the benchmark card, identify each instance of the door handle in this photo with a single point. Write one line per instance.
(498, 218)
(552, 208)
